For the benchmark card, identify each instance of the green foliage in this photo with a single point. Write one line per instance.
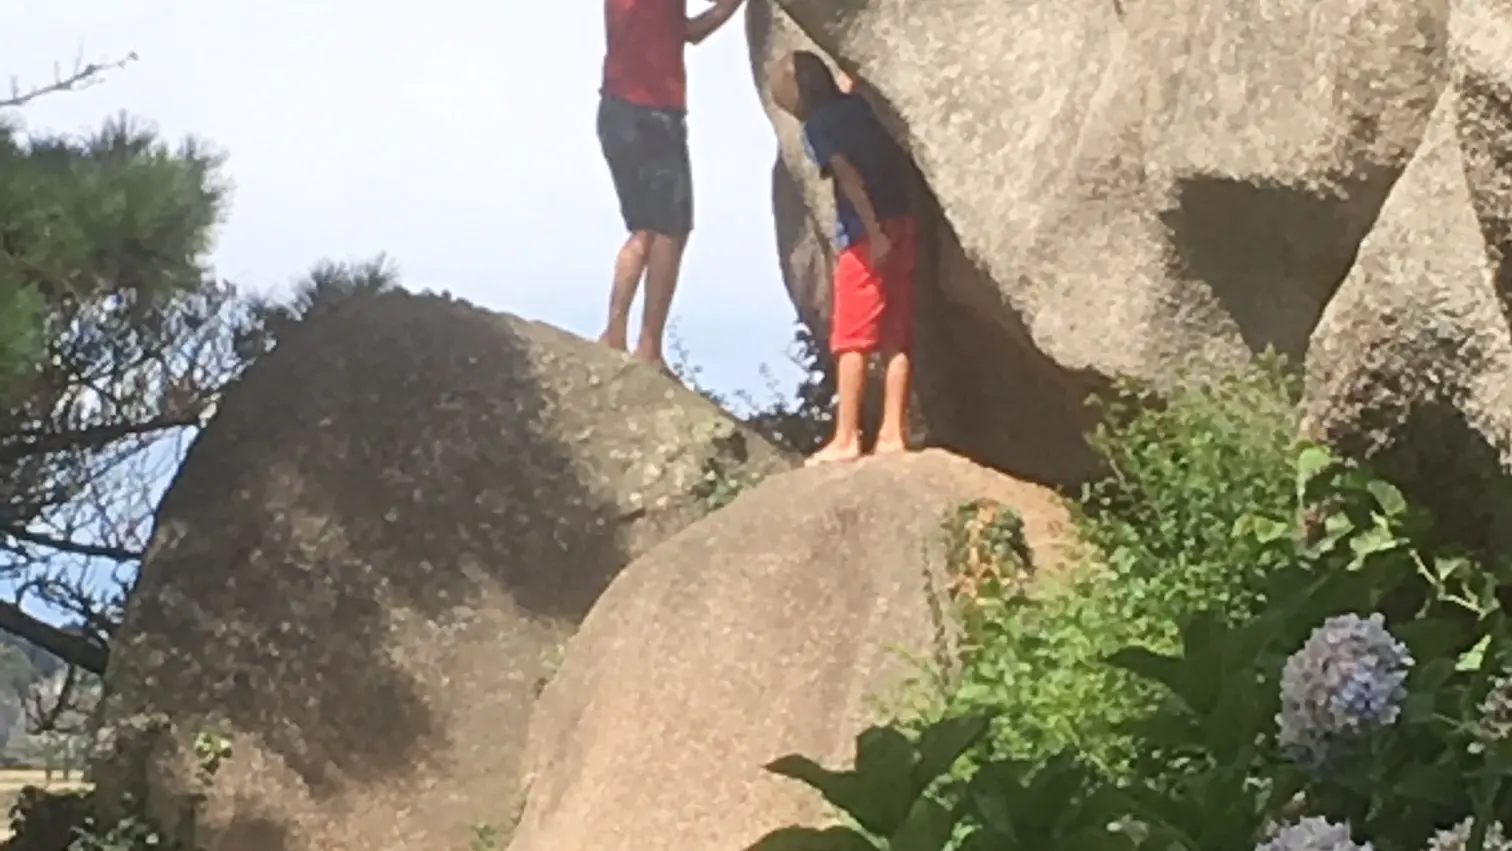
(1183, 468)
(114, 214)
(800, 422)
(328, 286)
(42, 820)
(804, 421)
(1159, 544)
(113, 336)
(486, 837)
(724, 470)
(886, 793)
(1213, 686)
(50, 821)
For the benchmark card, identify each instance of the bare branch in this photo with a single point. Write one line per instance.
(72, 648)
(73, 547)
(47, 704)
(84, 75)
(22, 444)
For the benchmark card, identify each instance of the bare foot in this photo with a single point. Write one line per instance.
(895, 446)
(614, 341)
(835, 452)
(657, 363)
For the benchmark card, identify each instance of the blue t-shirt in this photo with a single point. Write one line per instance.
(848, 127)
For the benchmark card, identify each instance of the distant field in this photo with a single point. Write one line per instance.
(13, 780)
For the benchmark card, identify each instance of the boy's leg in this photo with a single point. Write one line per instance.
(850, 382)
(663, 264)
(897, 336)
(853, 335)
(648, 158)
(629, 266)
(892, 435)
(669, 203)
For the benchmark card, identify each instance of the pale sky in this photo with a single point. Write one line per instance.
(457, 136)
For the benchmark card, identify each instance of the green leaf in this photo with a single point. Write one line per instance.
(1472, 659)
(927, 828)
(1435, 639)
(1310, 462)
(1163, 729)
(813, 839)
(1285, 784)
(884, 753)
(1169, 671)
(844, 789)
(1420, 708)
(1390, 500)
(1434, 784)
(1056, 782)
(885, 766)
(1264, 530)
(995, 790)
(942, 743)
(987, 840)
(1376, 539)
(1232, 726)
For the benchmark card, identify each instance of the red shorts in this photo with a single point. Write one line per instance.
(874, 306)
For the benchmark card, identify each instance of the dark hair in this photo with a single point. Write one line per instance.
(816, 85)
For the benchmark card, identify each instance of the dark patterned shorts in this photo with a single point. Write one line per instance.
(647, 151)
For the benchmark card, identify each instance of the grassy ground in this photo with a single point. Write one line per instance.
(13, 780)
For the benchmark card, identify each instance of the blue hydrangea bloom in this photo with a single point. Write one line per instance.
(1346, 681)
(1313, 833)
(1457, 838)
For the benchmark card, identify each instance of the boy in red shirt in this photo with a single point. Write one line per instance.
(642, 129)
(876, 237)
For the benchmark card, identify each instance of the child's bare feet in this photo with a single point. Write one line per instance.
(890, 446)
(835, 452)
(613, 341)
(656, 362)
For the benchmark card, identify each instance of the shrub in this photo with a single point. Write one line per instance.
(800, 422)
(1352, 697)
(1158, 534)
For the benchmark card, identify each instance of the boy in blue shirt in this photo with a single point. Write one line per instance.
(876, 239)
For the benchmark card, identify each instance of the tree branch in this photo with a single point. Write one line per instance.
(79, 650)
(21, 445)
(64, 545)
(83, 76)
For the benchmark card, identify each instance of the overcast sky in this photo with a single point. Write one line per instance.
(455, 135)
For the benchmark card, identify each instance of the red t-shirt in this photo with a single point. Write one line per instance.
(644, 60)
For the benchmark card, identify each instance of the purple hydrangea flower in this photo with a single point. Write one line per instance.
(1313, 833)
(1457, 838)
(1346, 681)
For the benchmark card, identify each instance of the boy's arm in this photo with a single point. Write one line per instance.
(850, 184)
(703, 25)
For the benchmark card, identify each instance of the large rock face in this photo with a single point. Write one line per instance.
(773, 626)
(1112, 188)
(370, 559)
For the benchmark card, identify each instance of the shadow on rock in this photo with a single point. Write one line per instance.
(371, 558)
(1272, 254)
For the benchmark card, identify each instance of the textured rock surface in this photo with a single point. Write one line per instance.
(368, 563)
(1412, 364)
(1114, 187)
(767, 628)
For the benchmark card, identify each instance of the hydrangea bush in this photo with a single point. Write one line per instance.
(1345, 682)
(1366, 707)
(1313, 833)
